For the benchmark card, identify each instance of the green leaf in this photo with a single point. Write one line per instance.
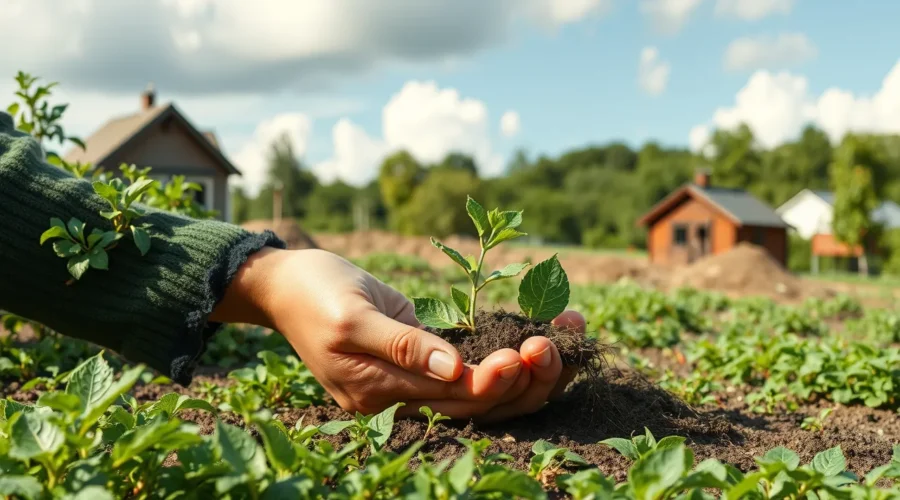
(503, 220)
(90, 381)
(624, 446)
(110, 214)
(141, 239)
(78, 265)
(335, 427)
(189, 403)
(76, 229)
(505, 235)
(544, 292)
(25, 487)
(240, 450)
(658, 471)
(134, 191)
(437, 314)
(381, 425)
(60, 401)
(669, 442)
(99, 259)
(54, 232)
(66, 248)
(783, 455)
(478, 215)
(542, 446)
(510, 271)
(13, 109)
(453, 254)
(462, 472)
(278, 447)
(93, 492)
(461, 299)
(96, 410)
(510, 482)
(32, 435)
(157, 434)
(107, 192)
(830, 462)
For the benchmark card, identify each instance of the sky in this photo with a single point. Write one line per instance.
(353, 80)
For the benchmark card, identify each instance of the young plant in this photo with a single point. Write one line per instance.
(84, 251)
(433, 419)
(816, 423)
(543, 293)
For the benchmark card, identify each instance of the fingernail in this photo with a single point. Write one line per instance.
(442, 364)
(510, 372)
(543, 358)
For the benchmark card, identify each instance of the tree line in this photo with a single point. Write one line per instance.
(592, 195)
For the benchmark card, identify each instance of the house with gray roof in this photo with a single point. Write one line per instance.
(161, 137)
(811, 212)
(699, 219)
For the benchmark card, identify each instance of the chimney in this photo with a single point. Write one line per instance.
(701, 177)
(148, 97)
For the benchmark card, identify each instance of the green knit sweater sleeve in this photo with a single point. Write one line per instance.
(151, 309)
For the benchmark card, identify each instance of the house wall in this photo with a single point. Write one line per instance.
(691, 212)
(170, 150)
(825, 245)
(773, 239)
(808, 214)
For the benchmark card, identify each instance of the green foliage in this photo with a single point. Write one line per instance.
(855, 195)
(816, 423)
(543, 293)
(433, 419)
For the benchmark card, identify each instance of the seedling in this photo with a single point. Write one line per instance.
(816, 423)
(433, 419)
(543, 293)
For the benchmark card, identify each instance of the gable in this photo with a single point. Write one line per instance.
(168, 144)
(675, 200)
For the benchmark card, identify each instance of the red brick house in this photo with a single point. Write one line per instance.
(698, 220)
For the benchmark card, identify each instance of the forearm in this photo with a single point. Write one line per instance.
(153, 308)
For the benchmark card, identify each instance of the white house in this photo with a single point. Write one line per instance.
(810, 213)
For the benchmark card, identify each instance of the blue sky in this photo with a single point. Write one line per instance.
(578, 85)
(351, 80)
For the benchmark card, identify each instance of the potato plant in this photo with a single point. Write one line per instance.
(543, 293)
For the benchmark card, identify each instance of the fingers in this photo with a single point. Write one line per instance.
(572, 320)
(414, 350)
(545, 366)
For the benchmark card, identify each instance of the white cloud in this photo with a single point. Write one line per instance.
(567, 11)
(210, 46)
(669, 16)
(753, 10)
(776, 106)
(423, 119)
(653, 73)
(356, 158)
(767, 52)
(510, 124)
(251, 156)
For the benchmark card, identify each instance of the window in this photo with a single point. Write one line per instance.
(679, 234)
(205, 197)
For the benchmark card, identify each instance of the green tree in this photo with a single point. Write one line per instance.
(331, 208)
(398, 178)
(437, 206)
(459, 161)
(297, 182)
(854, 199)
(736, 159)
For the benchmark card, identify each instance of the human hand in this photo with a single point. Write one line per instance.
(361, 341)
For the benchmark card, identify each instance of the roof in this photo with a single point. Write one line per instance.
(888, 213)
(119, 132)
(738, 205)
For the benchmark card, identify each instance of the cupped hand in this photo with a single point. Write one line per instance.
(362, 342)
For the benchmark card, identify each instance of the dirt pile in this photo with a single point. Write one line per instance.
(581, 267)
(747, 270)
(286, 229)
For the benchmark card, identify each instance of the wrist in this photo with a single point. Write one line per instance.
(248, 298)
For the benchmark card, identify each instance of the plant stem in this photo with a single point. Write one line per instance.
(475, 287)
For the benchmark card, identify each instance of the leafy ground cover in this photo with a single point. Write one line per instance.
(705, 396)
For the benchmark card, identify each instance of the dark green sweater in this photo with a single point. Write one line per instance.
(151, 309)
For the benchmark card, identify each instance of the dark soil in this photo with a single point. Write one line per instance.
(499, 330)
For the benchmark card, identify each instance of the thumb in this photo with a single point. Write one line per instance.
(408, 347)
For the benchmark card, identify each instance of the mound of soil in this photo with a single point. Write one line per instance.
(747, 270)
(288, 230)
(500, 330)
